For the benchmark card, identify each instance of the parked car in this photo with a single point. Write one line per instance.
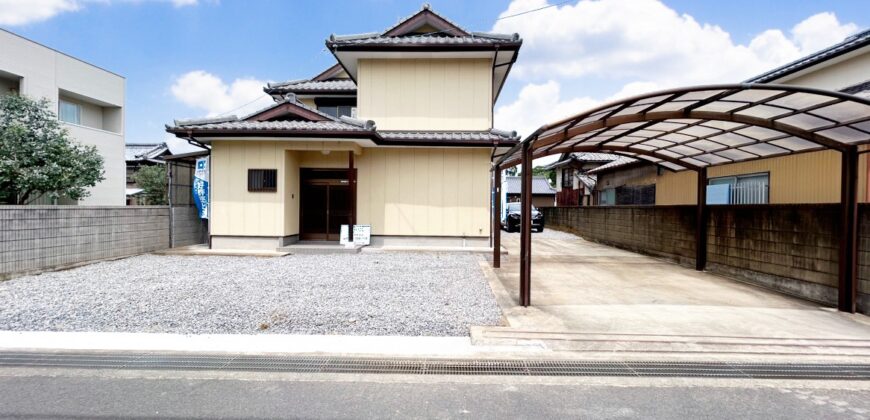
(511, 219)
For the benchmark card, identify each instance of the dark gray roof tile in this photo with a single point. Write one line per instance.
(540, 185)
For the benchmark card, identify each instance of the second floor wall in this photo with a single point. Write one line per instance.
(426, 94)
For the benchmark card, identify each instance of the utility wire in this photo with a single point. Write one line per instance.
(534, 10)
(430, 33)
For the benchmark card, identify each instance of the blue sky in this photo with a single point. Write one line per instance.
(575, 55)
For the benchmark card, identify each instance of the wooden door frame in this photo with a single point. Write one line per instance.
(305, 178)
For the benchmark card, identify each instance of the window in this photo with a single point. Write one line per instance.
(339, 111)
(607, 197)
(567, 178)
(70, 112)
(739, 189)
(262, 180)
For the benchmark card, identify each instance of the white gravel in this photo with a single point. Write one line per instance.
(412, 294)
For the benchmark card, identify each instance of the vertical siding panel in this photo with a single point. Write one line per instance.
(406, 192)
(421, 190)
(450, 199)
(392, 176)
(379, 179)
(435, 196)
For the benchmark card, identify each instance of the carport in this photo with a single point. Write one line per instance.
(695, 128)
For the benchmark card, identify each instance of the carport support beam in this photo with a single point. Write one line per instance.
(526, 228)
(847, 281)
(496, 218)
(701, 222)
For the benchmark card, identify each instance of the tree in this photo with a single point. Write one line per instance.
(546, 173)
(152, 179)
(37, 156)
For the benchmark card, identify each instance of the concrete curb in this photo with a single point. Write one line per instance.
(254, 344)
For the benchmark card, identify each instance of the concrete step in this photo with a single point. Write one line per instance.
(319, 249)
(652, 343)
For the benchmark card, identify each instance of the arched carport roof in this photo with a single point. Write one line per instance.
(698, 127)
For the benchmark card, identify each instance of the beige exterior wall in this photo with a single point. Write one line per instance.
(424, 191)
(837, 74)
(426, 94)
(803, 178)
(237, 212)
(400, 191)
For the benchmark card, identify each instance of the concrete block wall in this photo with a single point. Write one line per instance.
(662, 231)
(790, 248)
(36, 238)
(187, 227)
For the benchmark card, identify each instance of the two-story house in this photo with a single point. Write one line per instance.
(88, 100)
(397, 135)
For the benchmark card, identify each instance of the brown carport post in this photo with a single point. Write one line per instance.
(701, 222)
(526, 227)
(496, 218)
(848, 273)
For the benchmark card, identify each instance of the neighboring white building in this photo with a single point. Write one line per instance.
(87, 99)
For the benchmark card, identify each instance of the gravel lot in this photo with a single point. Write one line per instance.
(431, 294)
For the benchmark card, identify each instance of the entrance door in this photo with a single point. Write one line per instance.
(325, 204)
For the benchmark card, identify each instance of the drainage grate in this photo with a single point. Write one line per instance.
(319, 364)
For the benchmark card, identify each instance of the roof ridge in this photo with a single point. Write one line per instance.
(850, 43)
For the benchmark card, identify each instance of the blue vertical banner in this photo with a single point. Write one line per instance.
(200, 187)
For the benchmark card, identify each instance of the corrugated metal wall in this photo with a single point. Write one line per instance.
(810, 178)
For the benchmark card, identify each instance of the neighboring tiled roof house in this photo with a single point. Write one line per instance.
(848, 45)
(139, 152)
(619, 162)
(540, 185)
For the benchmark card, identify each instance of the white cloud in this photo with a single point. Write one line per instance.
(21, 12)
(537, 103)
(624, 48)
(204, 91)
(820, 31)
(182, 3)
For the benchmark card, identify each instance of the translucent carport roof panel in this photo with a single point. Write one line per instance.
(696, 127)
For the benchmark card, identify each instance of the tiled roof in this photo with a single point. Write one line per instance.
(137, 152)
(861, 89)
(620, 161)
(271, 125)
(425, 7)
(851, 43)
(477, 39)
(594, 157)
(303, 86)
(588, 180)
(540, 185)
(484, 136)
(291, 99)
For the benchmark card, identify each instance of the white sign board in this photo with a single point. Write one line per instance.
(362, 234)
(344, 237)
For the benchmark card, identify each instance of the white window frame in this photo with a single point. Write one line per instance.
(61, 114)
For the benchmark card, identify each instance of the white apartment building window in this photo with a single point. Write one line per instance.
(70, 112)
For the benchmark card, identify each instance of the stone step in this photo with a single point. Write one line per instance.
(319, 249)
(652, 343)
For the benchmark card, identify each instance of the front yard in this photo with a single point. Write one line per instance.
(363, 294)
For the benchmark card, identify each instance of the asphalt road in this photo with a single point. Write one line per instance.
(59, 393)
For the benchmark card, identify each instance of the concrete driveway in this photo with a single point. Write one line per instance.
(598, 299)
